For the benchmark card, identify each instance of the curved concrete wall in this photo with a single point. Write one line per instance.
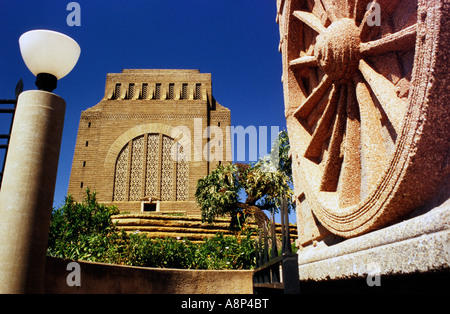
(117, 279)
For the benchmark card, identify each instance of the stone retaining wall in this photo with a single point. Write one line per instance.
(100, 278)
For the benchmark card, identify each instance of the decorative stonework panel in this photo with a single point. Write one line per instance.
(145, 116)
(182, 175)
(164, 172)
(151, 175)
(136, 168)
(120, 176)
(167, 170)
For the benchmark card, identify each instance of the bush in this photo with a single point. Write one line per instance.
(229, 252)
(84, 231)
(81, 230)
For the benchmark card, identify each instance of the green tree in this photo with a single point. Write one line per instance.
(263, 182)
(282, 145)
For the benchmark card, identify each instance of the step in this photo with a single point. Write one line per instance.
(176, 230)
(167, 222)
(156, 225)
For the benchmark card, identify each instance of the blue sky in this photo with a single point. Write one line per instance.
(234, 40)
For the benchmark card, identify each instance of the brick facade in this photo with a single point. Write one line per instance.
(132, 147)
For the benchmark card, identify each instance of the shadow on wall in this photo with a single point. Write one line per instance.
(99, 278)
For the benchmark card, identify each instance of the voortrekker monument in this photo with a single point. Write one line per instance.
(144, 146)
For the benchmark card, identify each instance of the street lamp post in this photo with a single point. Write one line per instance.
(27, 191)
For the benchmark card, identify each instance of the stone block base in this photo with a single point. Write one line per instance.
(419, 246)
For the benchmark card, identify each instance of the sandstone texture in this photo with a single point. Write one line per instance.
(366, 105)
(146, 140)
(366, 110)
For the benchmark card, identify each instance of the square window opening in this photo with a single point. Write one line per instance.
(149, 207)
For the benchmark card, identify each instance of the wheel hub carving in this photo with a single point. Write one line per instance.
(337, 50)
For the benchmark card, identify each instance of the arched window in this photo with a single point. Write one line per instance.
(151, 165)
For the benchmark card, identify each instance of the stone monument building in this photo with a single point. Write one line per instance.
(147, 142)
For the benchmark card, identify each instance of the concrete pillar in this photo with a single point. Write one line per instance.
(27, 191)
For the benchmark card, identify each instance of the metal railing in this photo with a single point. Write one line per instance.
(19, 89)
(279, 274)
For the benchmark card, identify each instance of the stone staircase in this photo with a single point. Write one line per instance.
(180, 227)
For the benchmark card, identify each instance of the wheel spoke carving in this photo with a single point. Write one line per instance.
(386, 8)
(349, 86)
(310, 19)
(400, 41)
(308, 105)
(303, 62)
(350, 177)
(372, 143)
(364, 26)
(339, 53)
(386, 94)
(318, 10)
(329, 8)
(330, 177)
(314, 149)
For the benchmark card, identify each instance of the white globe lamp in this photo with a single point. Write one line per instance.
(49, 55)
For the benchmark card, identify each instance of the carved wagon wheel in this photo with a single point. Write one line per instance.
(366, 106)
